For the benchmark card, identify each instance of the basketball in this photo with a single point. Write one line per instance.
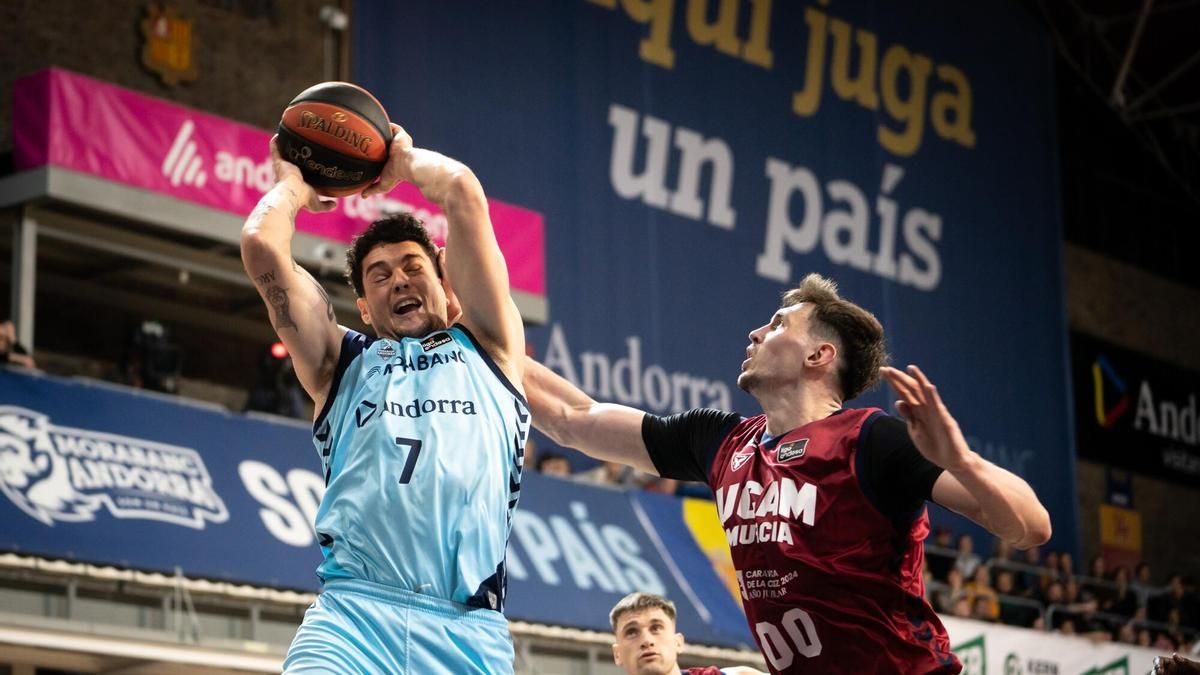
(338, 134)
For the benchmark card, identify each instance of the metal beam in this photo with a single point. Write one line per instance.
(1162, 8)
(48, 185)
(1117, 97)
(1167, 79)
(143, 206)
(24, 276)
(166, 310)
(1167, 112)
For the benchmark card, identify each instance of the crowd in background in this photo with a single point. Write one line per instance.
(1030, 589)
(1046, 590)
(1033, 589)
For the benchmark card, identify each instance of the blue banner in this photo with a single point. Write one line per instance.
(113, 476)
(576, 550)
(695, 158)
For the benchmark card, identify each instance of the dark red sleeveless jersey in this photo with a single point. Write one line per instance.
(829, 584)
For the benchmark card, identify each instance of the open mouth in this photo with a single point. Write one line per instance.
(405, 307)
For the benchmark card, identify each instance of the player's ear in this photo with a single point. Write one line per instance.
(441, 262)
(363, 310)
(453, 306)
(616, 655)
(679, 642)
(823, 354)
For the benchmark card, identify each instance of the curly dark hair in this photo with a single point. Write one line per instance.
(390, 230)
(858, 333)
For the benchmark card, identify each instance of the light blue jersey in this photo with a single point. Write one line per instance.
(422, 441)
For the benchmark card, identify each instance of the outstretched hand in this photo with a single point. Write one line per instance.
(285, 170)
(397, 169)
(933, 429)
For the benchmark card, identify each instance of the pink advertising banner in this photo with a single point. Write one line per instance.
(67, 120)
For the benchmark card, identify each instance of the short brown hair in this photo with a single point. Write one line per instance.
(389, 230)
(858, 332)
(636, 602)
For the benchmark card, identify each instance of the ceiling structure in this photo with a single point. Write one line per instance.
(1129, 128)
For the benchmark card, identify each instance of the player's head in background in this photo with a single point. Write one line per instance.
(646, 640)
(399, 277)
(817, 340)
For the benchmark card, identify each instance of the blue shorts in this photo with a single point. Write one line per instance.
(361, 627)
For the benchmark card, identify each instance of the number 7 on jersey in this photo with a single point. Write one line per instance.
(414, 451)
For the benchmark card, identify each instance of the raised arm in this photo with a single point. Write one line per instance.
(572, 419)
(299, 308)
(474, 263)
(970, 485)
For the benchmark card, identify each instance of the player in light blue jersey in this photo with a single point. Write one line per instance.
(420, 429)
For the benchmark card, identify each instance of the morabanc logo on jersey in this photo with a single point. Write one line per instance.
(57, 473)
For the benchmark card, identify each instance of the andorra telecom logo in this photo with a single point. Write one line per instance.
(1102, 371)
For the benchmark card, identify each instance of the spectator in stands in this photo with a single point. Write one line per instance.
(982, 609)
(1166, 640)
(1049, 570)
(1127, 633)
(982, 596)
(1174, 631)
(1141, 583)
(1012, 611)
(1096, 582)
(646, 640)
(947, 599)
(13, 353)
(962, 608)
(1175, 598)
(613, 473)
(1122, 601)
(552, 463)
(1145, 638)
(666, 486)
(940, 557)
(967, 560)
(1066, 565)
(1082, 607)
(1052, 598)
(1028, 581)
(1001, 552)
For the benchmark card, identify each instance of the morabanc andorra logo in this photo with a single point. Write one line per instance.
(61, 474)
(386, 350)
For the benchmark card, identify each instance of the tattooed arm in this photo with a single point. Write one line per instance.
(299, 308)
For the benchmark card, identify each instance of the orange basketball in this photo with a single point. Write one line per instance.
(338, 134)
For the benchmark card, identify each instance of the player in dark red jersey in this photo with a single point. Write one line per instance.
(823, 505)
(646, 641)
